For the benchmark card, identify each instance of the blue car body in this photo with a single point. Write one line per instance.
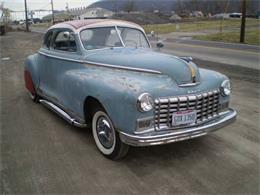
(115, 77)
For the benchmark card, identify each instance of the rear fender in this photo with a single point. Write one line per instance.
(31, 75)
(28, 82)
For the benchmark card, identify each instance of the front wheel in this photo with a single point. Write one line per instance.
(107, 139)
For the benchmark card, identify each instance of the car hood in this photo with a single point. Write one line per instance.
(176, 68)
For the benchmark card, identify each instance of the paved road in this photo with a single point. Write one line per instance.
(231, 54)
(40, 153)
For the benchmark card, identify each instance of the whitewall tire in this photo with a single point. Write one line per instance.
(106, 137)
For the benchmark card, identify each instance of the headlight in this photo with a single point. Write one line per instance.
(145, 102)
(226, 88)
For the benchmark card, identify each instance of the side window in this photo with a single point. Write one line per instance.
(47, 40)
(65, 41)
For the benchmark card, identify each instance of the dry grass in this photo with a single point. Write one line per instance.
(252, 37)
(201, 26)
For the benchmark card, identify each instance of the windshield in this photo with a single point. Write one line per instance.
(98, 38)
(133, 37)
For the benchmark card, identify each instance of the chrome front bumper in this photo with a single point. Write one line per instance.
(171, 135)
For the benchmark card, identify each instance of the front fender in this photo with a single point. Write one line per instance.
(113, 90)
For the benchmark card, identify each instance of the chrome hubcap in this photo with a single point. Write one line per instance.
(105, 132)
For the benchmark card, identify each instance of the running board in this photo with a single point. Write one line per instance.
(62, 113)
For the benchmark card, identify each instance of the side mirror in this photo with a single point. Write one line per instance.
(159, 45)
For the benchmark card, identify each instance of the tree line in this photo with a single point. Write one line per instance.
(206, 6)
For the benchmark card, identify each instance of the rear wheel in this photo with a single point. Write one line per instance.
(106, 137)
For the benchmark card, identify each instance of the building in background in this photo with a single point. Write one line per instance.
(59, 16)
(79, 14)
(90, 13)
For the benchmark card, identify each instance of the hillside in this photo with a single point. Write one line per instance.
(137, 5)
(206, 6)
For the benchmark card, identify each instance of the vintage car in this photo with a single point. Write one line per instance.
(105, 75)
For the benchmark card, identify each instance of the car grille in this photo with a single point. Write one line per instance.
(206, 104)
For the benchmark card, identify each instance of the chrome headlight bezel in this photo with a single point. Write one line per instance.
(225, 88)
(145, 102)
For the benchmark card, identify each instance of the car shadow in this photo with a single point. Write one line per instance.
(142, 160)
(165, 152)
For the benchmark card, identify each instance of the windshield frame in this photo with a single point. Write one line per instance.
(118, 34)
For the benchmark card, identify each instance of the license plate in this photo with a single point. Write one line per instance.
(184, 117)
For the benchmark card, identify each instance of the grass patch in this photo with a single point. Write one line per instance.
(42, 25)
(252, 37)
(199, 26)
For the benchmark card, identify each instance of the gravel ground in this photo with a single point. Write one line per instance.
(41, 153)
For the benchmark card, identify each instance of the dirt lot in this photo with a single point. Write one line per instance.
(40, 153)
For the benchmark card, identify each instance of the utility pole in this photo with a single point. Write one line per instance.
(243, 22)
(52, 12)
(116, 7)
(26, 16)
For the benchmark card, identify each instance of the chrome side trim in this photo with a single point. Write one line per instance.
(62, 113)
(102, 64)
(124, 67)
(165, 137)
(54, 101)
(189, 84)
(60, 58)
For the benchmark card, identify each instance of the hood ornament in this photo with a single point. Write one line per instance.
(193, 72)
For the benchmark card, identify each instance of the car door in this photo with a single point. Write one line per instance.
(63, 57)
(44, 65)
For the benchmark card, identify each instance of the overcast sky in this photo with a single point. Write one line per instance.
(18, 5)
